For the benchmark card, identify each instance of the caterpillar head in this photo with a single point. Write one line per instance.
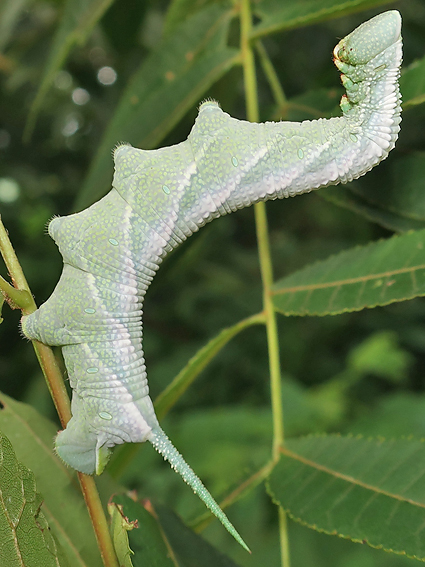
(369, 39)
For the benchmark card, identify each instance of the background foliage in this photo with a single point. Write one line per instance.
(78, 77)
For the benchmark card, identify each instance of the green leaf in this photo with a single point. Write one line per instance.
(381, 355)
(78, 19)
(10, 12)
(181, 10)
(412, 84)
(188, 547)
(344, 196)
(25, 538)
(377, 274)
(120, 526)
(32, 438)
(395, 415)
(168, 83)
(162, 539)
(398, 188)
(366, 490)
(277, 15)
(147, 541)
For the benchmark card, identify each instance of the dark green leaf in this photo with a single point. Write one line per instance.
(348, 199)
(412, 84)
(32, 438)
(277, 15)
(366, 490)
(120, 526)
(10, 12)
(396, 415)
(181, 10)
(163, 539)
(398, 188)
(147, 540)
(78, 19)
(166, 86)
(377, 274)
(189, 548)
(311, 105)
(25, 539)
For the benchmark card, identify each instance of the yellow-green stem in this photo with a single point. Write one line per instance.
(58, 392)
(271, 326)
(272, 78)
(250, 83)
(168, 397)
(98, 519)
(248, 62)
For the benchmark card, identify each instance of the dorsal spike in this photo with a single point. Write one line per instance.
(164, 446)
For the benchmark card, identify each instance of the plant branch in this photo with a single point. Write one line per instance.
(16, 298)
(168, 397)
(98, 519)
(44, 354)
(57, 390)
(271, 76)
(250, 82)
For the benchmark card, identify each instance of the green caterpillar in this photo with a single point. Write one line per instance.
(112, 250)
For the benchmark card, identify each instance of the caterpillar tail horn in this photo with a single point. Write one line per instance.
(164, 446)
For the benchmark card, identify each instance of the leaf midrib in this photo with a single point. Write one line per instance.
(348, 281)
(347, 478)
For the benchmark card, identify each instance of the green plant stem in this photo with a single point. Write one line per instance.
(250, 83)
(98, 519)
(168, 397)
(44, 353)
(271, 76)
(59, 394)
(16, 298)
(248, 63)
(271, 326)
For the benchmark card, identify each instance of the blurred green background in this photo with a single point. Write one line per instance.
(359, 372)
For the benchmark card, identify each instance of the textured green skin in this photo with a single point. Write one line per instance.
(112, 250)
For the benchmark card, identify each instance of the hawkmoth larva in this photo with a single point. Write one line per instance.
(112, 250)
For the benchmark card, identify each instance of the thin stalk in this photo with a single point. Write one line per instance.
(98, 519)
(248, 63)
(173, 392)
(271, 75)
(250, 82)
(45, 356)
(58, 392)
(17, 298)
(271, 327)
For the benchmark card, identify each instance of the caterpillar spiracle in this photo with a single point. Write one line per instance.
(112, 250)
